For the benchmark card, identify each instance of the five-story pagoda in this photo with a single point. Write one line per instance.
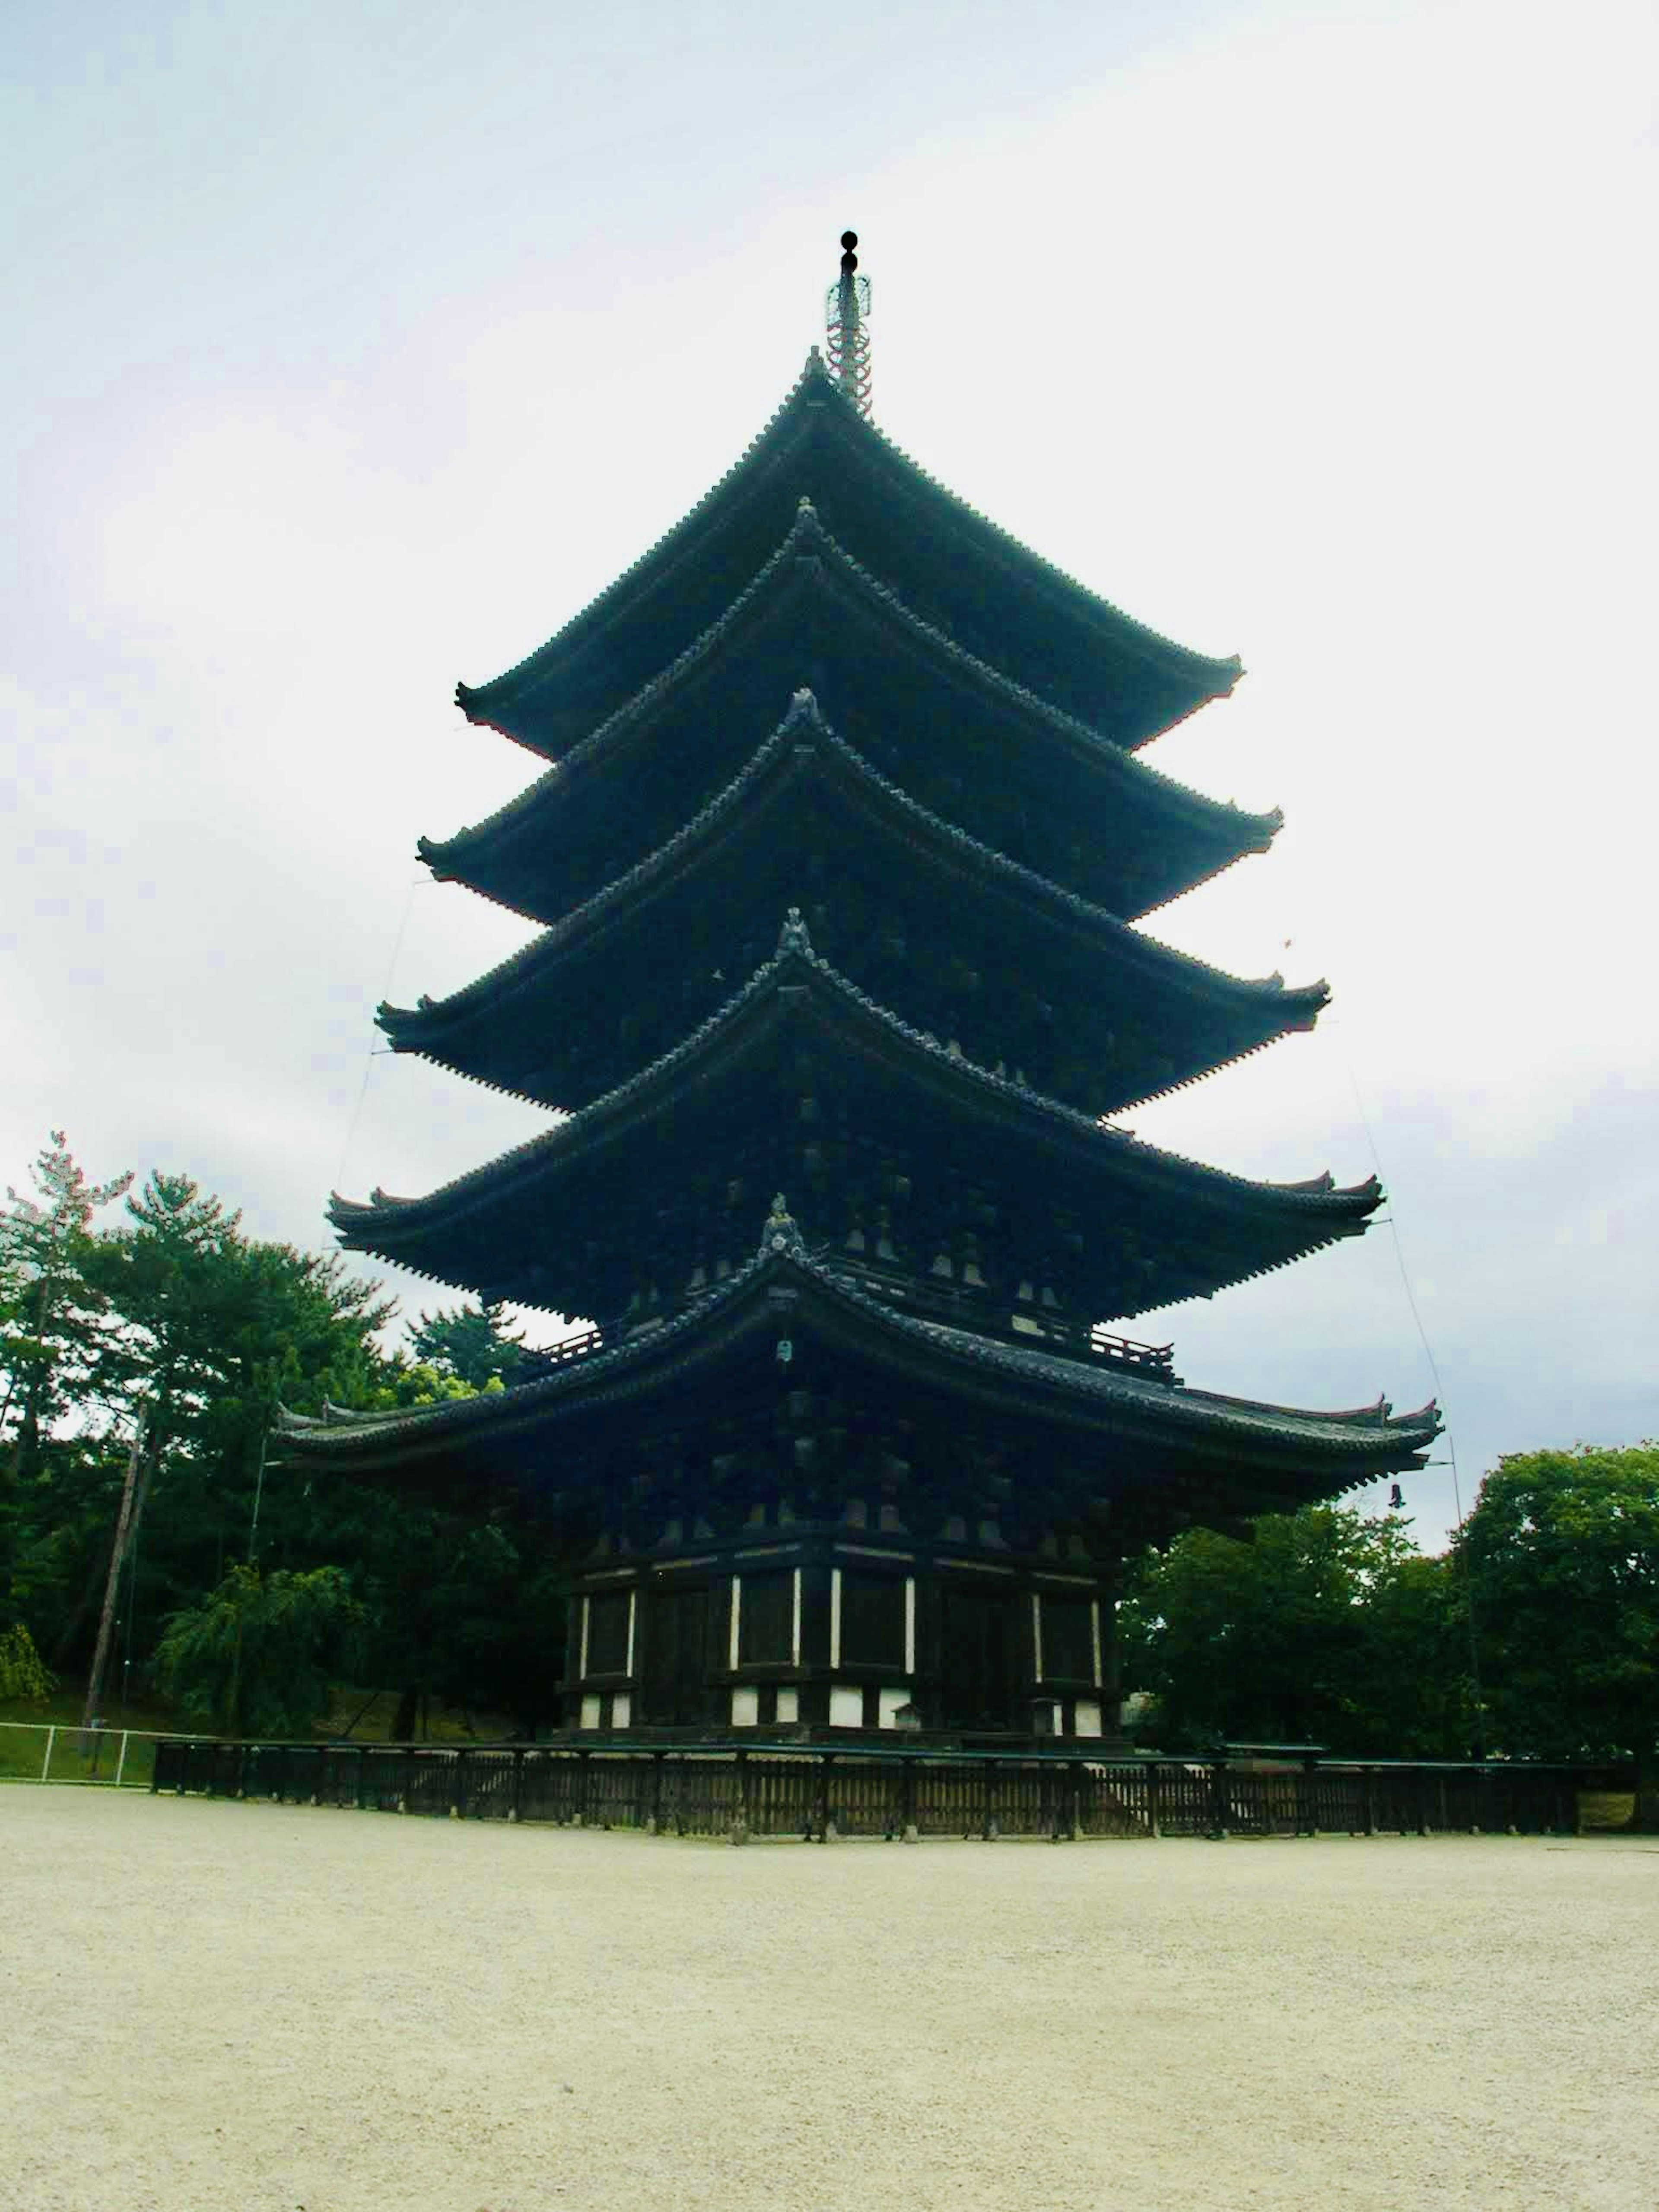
(838, 856)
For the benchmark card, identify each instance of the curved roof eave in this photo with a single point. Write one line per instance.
(1246, 831)
(1065, 909)
(481, 702)
(1373, 1433)
(979, 1089)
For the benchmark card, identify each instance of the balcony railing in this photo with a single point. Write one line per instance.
(989, 1313)
(984, 1312)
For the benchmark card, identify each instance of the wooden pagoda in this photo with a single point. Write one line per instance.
(843, 831)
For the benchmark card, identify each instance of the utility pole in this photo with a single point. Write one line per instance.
(107, 1622)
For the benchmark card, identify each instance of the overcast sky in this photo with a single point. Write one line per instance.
(352, 347)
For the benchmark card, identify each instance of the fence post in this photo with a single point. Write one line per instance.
(909, 1832)
(738, 1831)
(513, 1812)
(827, 1831)
(457, 1796)
(1370, 1800)
(992, 1777)
(45, 1764)
(1218, 1801)
(653, 1824)
(579, 1818)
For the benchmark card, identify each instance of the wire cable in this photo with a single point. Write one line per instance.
(1392, 1226)
(374, 1052)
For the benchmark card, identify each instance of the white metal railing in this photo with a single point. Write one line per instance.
(88, 1753)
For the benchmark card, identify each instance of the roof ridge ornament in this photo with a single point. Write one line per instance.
(845, 313)
(782, 1232)
(792, 937)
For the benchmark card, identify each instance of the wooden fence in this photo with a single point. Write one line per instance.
(821, 1795)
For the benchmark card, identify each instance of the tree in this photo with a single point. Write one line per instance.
(468, 1342)
(208, 1331)
(1560, 1556)
(1327, 1627)
(260, 1655)
(50, 1317)
(22, 1676)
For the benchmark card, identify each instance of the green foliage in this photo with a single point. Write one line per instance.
(1561, 1555)
(21, 1675)
(259, 1656)
(1329, 1627)
(468, 1344)
(53, 1320)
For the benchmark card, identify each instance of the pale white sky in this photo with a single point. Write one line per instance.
(353, 347)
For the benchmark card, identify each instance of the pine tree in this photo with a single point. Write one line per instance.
(52, 1321)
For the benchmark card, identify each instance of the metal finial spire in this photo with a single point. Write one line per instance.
(846, 310)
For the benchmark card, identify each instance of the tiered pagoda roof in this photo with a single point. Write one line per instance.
(1004, 604)
(807, 806)
(989, 755)
(836, 696)
(647, 1169)
(1144, 1456)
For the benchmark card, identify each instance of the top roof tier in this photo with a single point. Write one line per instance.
(1002, 603)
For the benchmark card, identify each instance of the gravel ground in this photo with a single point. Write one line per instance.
(256, 2009)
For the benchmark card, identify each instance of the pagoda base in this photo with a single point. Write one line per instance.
(833, 1636)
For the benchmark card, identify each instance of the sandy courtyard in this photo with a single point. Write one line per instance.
(256, 2009)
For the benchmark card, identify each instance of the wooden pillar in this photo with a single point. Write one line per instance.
(1111, 1663)
(815, 1609)
(930, 1630)
(1025, 1655)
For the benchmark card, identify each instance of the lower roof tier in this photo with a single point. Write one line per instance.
(958, 939)
(790, 1385)
(802, 1082)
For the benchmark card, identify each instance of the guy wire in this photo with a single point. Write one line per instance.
(373, 1053)
(1392, 1223)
